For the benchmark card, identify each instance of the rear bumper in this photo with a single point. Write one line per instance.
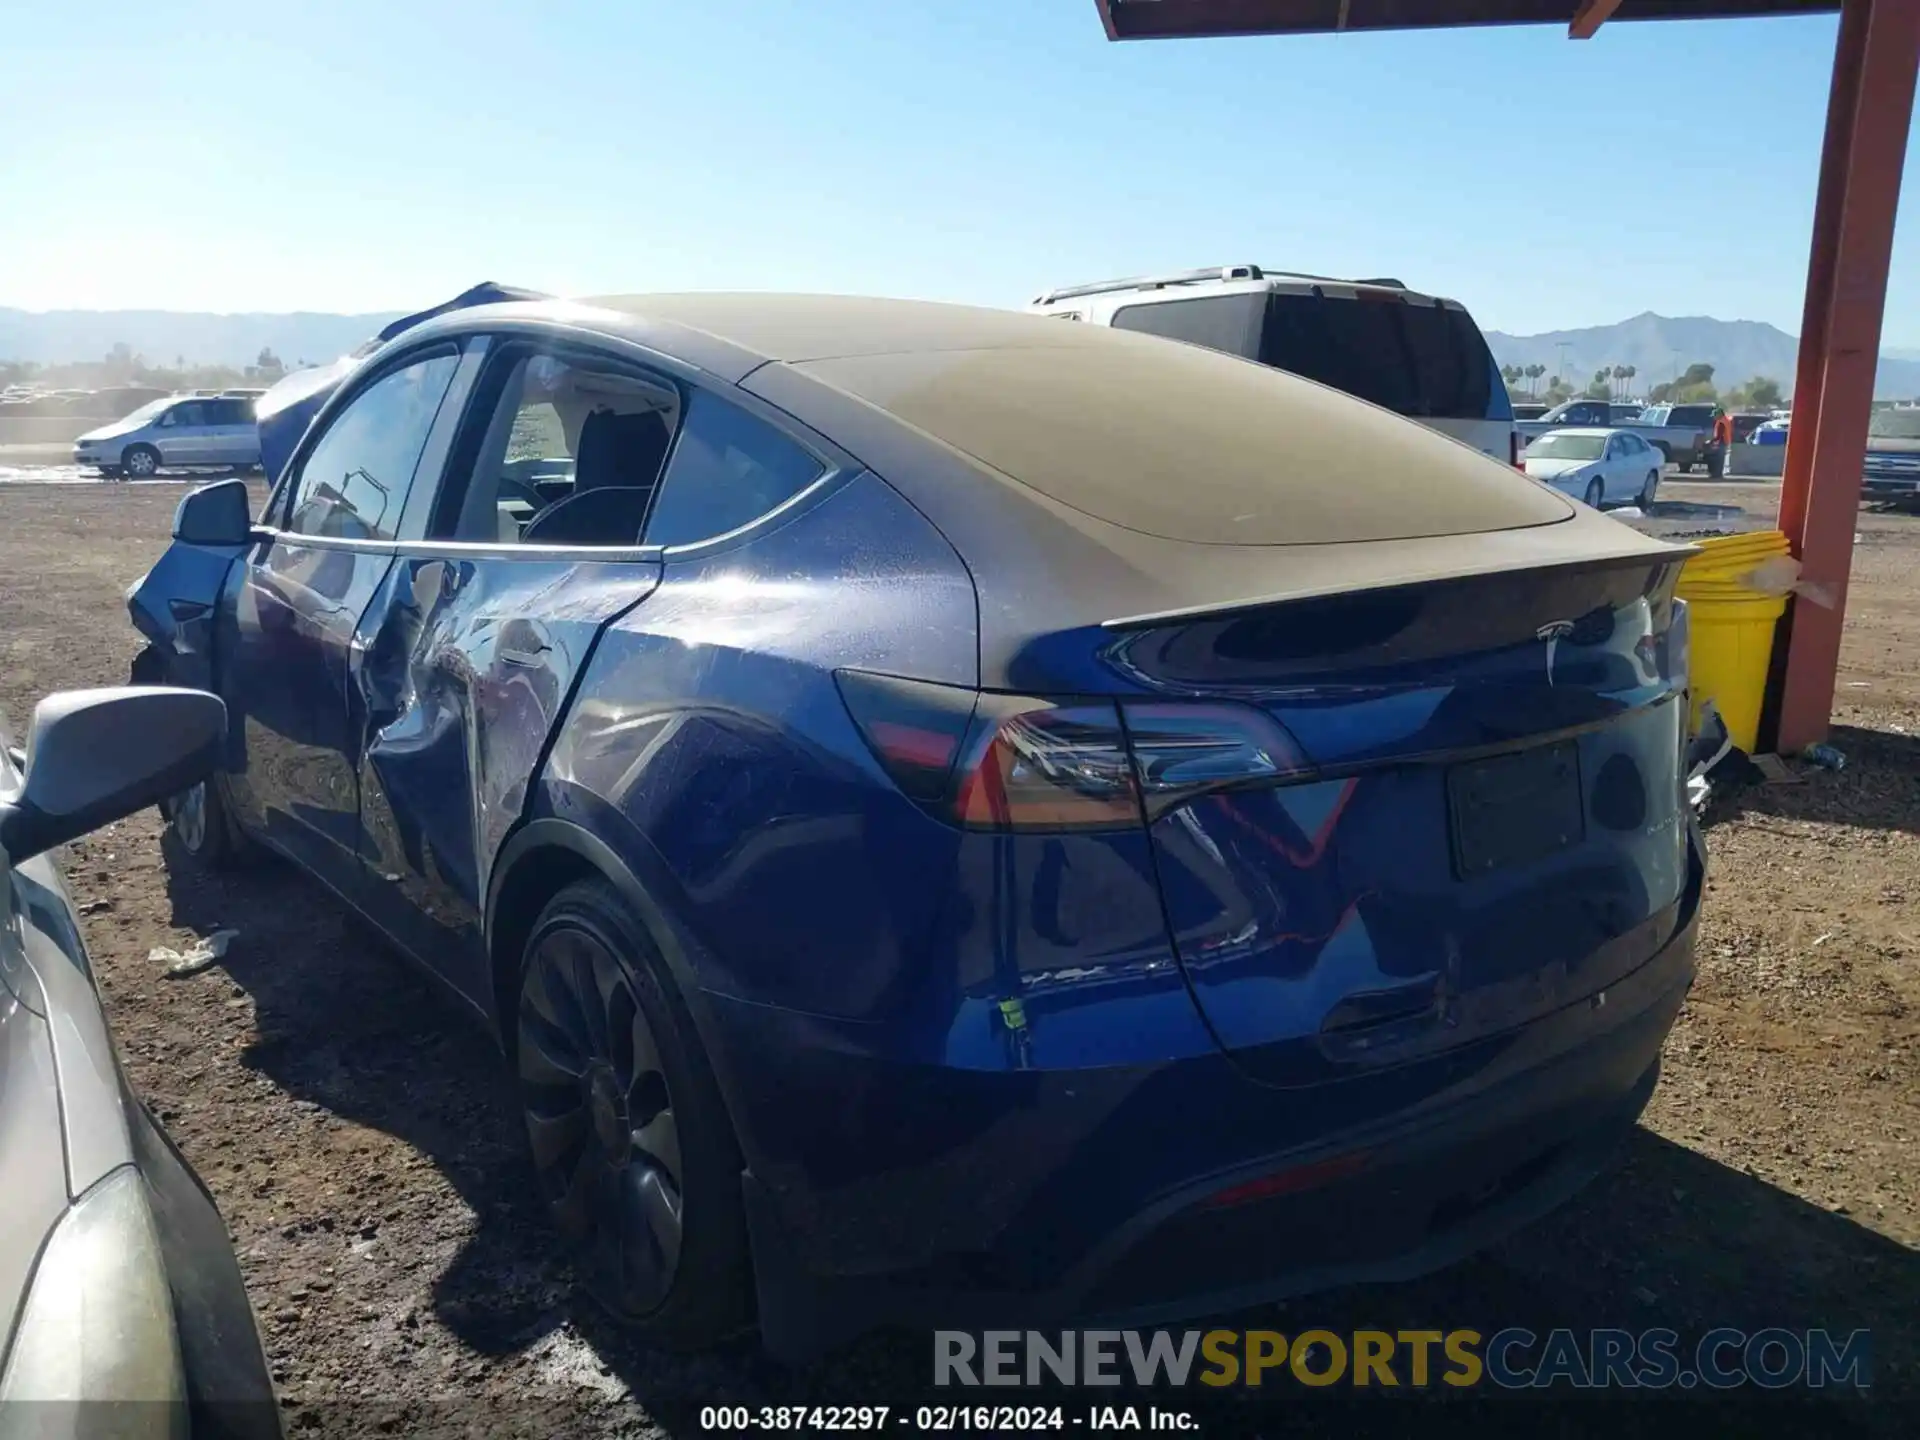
(1038, 1199)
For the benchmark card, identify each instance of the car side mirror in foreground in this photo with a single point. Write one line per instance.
(216, 514)
(99, 755)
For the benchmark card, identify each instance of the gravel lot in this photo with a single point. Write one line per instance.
(360, 1138)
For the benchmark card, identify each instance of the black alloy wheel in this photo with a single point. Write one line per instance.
(633, 1152)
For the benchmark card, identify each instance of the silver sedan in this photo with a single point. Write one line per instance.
(1600, 466)
(117, 1279)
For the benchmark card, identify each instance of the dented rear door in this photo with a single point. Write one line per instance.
(465, 664)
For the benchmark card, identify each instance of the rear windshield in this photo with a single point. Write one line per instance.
(1895, 424)
(1412, 358)
(1219, 322)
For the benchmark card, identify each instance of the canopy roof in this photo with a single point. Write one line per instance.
(1175, 19)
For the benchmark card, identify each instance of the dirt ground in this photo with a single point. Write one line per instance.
(360, 1138)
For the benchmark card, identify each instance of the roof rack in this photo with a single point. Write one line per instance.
(1154, 282)
(1199, 277)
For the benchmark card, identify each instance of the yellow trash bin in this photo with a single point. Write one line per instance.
(1733, 626)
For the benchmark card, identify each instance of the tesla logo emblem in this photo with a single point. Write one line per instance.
(1553, 634)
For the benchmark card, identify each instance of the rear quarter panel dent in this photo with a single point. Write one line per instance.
(710, 722)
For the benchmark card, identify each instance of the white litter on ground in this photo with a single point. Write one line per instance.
(201, 955)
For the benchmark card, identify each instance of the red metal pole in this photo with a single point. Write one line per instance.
(1588, 19)
(1869, 112)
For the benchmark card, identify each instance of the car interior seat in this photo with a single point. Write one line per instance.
(614, 475)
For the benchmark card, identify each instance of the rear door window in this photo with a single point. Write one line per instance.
(194, 414)
(561, 450)
(727, 470)
(1415, 359)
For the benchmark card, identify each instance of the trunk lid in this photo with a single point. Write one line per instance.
(1489, 826)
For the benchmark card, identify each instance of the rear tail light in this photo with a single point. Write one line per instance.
(1004, 762)
(914, 729)
(1032, 765)
(1513, 449)
(1181, 750)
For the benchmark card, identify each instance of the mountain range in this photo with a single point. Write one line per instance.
(59, 337)
(1658, 346)
(1661, 346)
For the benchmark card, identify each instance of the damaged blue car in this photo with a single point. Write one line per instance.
(958, 818)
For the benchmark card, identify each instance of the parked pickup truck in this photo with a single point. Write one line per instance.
(1893, 454)
(1575, 414)
(1684, 434)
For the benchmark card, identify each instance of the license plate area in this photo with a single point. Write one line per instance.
(1510, 809)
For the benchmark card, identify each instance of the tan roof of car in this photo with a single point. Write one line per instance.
(1152, 435)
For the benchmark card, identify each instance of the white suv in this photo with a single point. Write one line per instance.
(1414, 354)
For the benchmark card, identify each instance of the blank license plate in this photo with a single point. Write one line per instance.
(1514, 808)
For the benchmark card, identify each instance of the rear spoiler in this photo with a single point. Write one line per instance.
(1346, 574)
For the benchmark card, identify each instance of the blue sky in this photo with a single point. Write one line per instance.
(354, 156)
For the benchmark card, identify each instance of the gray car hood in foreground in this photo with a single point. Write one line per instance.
(33, 1177)
(62, 1125)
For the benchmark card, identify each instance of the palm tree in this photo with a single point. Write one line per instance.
(1630, 372)
(1534, 372)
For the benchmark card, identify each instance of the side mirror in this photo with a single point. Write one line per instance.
(216, 514)
(99, 755)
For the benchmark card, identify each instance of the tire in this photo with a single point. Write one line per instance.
(1649, 490)
(141, 462)
(635, 1155)
(1596, 494)
(205, 828)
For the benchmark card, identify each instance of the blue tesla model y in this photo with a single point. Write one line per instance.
(956, 817)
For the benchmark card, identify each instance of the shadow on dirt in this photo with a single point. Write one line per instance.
(1878, 789)
(1666, 1239)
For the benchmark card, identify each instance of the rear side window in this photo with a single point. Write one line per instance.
(354, 481)
(1414, 359)
(229, 412)
(1701, 415)
(564, 450)
(727, 470)
(1219, 322)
